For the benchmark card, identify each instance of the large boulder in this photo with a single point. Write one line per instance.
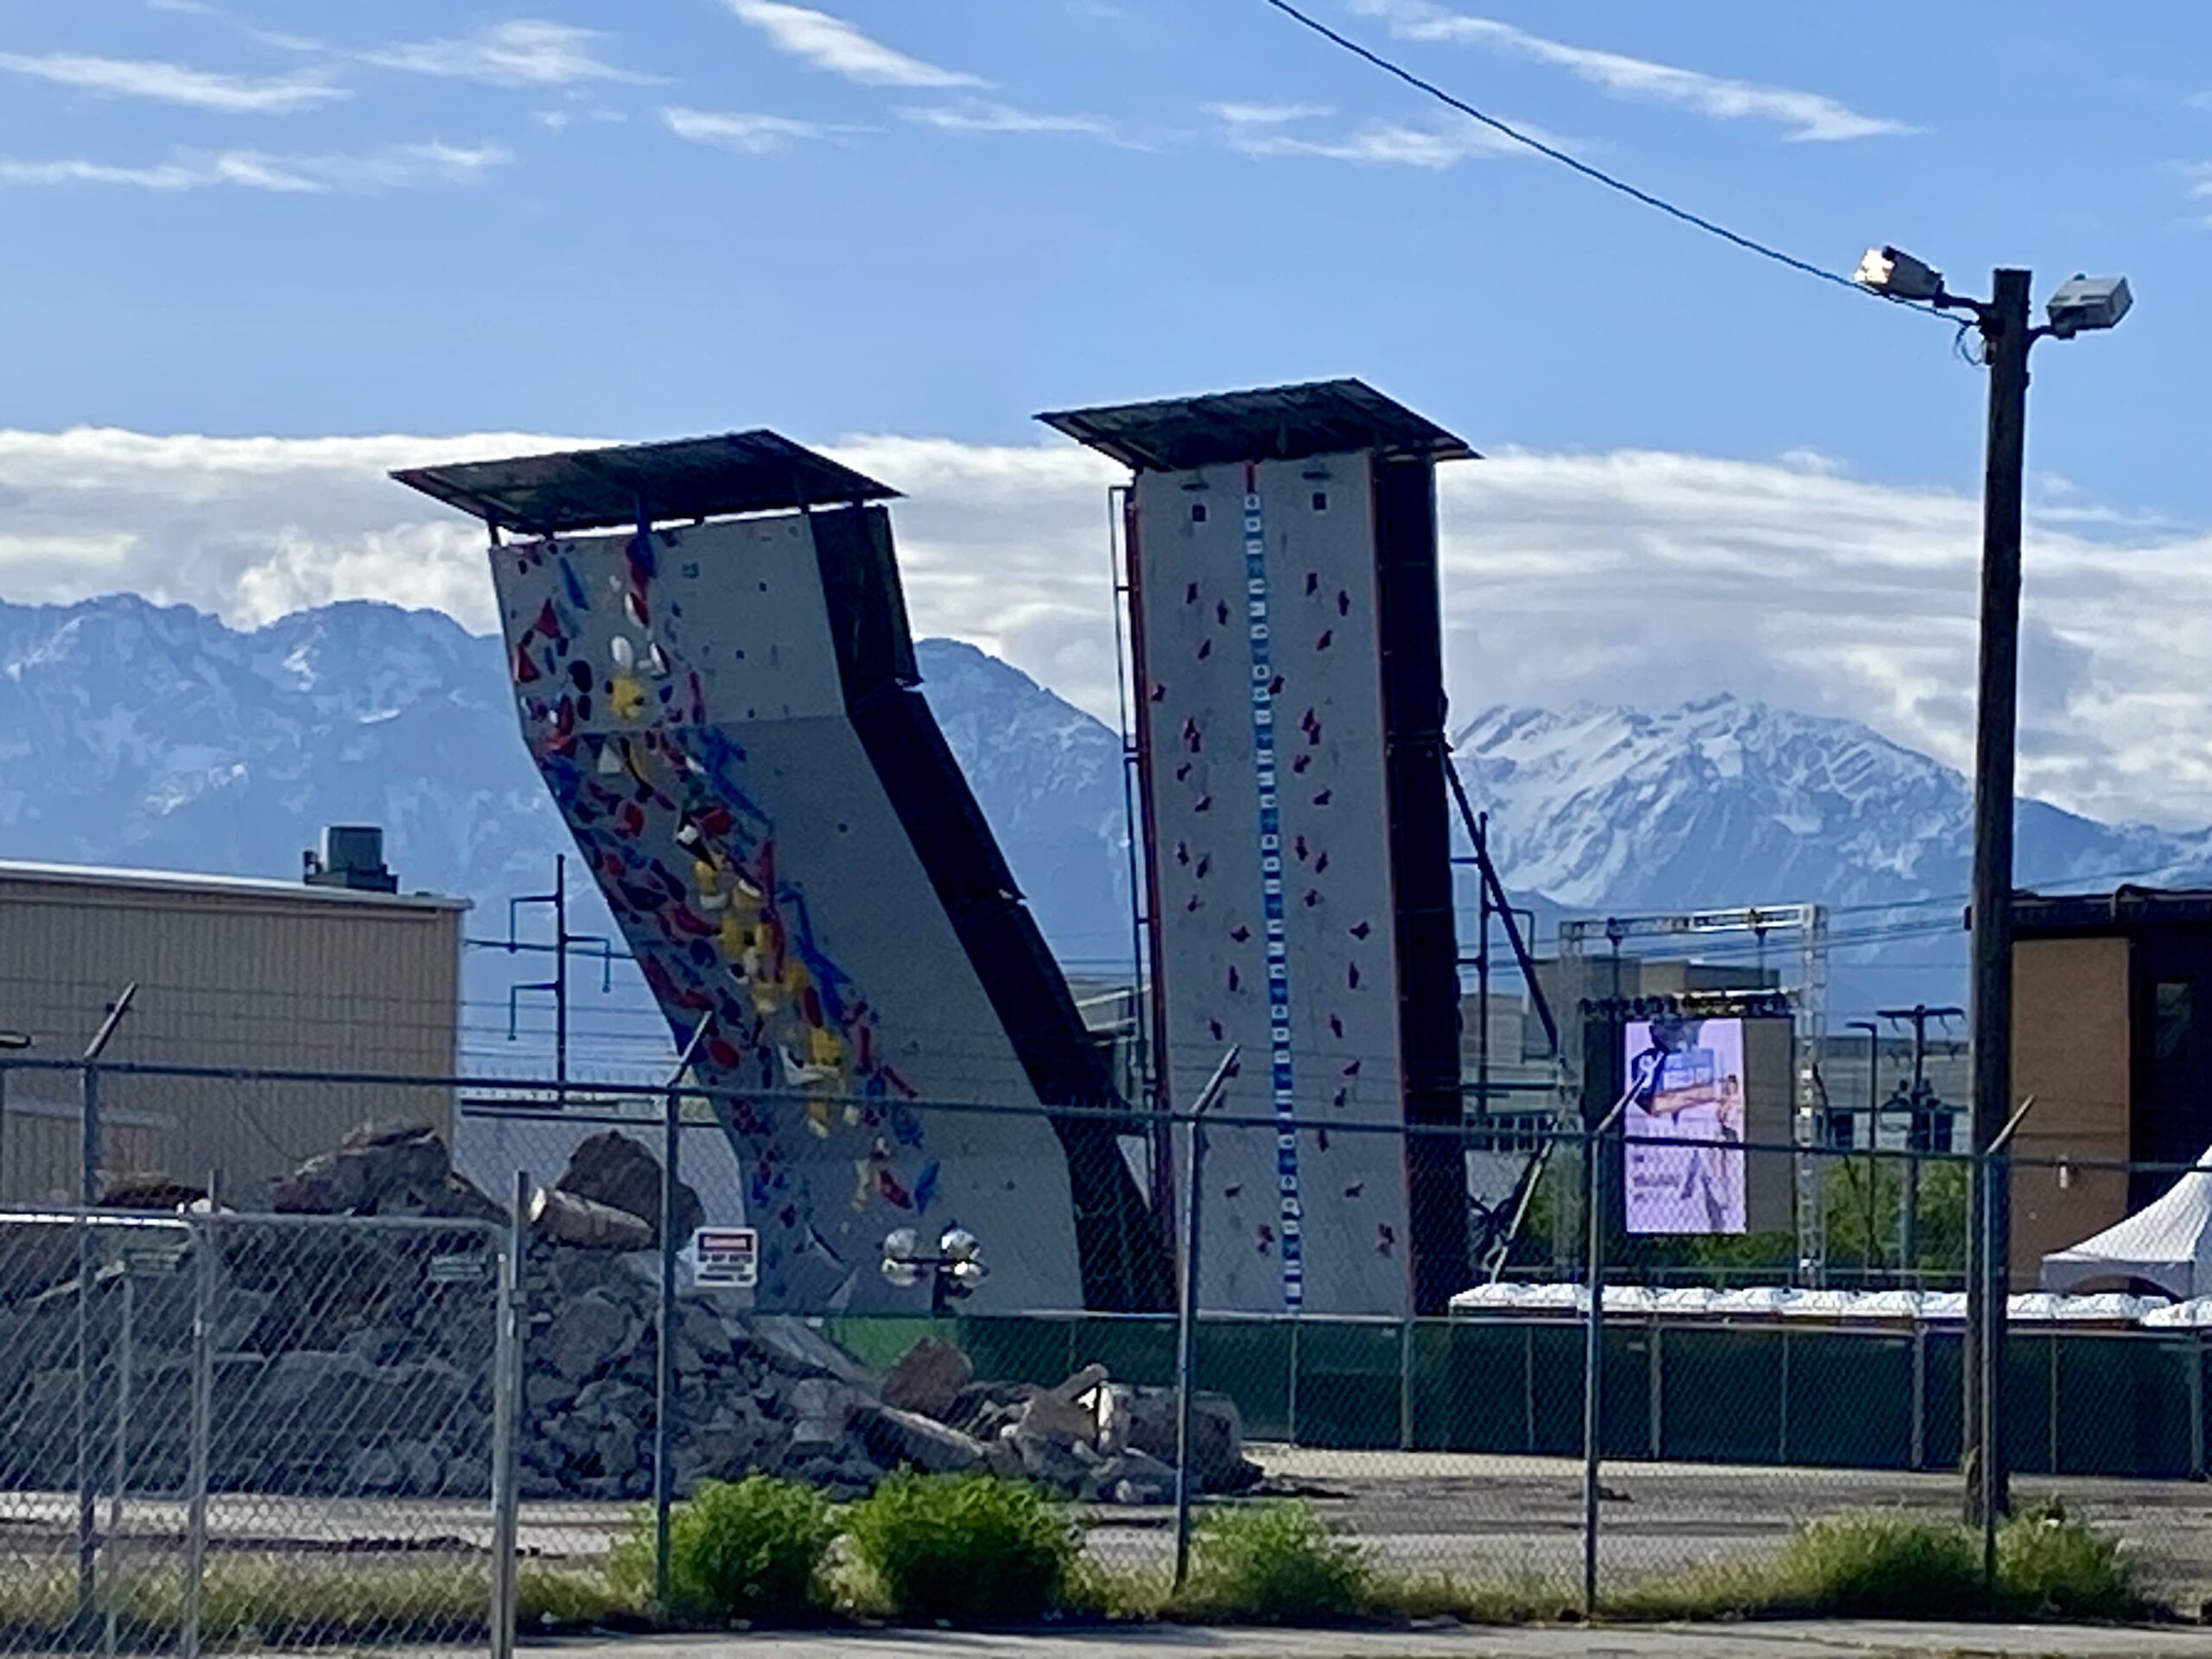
(1144, 1421)
(928, 1379)
(613, 1169)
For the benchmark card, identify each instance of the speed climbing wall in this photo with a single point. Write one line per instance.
(1282, 572)
(726, 713)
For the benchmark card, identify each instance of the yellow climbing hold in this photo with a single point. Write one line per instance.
(626, 697)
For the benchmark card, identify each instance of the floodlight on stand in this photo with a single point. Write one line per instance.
(959, 1245)
(1896, 274)
(968, 1274)
(904, 1274)
(901, 1253)
(14, 1039)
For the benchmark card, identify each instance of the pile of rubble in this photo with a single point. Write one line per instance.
(358, 1361)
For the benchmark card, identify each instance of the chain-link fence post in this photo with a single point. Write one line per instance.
(507, 1412)
(203, 1247)
(88, 1147)
(1187, 1312)
(1593, 1350)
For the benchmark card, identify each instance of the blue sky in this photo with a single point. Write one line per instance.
(928, 219)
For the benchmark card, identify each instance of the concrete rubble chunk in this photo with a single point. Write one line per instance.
(929, 1379)
(619, 1170)
(906, 1439)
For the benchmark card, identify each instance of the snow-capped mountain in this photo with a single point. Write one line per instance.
(1726, 801)
(138, 734)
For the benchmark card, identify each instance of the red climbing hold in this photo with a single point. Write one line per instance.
(549, 623)
(525, 670)
(721, 1053)
(893, 1193)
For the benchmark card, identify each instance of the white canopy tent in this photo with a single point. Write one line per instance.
(2168, 1243)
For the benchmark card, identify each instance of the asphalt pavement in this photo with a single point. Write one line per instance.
(1796, 1640)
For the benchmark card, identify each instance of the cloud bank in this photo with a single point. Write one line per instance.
(1637, 577)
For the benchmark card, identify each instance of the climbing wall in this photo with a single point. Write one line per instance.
(1255, 610)
(726, 717)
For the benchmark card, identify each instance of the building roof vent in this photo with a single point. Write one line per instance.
(352, 858)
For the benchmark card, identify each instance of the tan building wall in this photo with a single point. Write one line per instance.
(2071, 1051)
(231, 974)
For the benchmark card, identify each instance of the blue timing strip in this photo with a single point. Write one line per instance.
(1264, 762)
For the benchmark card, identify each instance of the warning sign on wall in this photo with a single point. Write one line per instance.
(726, 1258)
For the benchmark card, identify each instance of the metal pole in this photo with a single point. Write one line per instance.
(1593, 1350)
(506, 1415)
(1991, 1501)
(1186, 1314)
(87, 1267)
(664, 1342)
(561, 979)
(121, 1462)
(2006, 330)
(1873, 1264)
(1482, 964)
(88, 1198)
(203, 1393)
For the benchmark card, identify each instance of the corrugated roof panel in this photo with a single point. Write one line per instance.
(1321, 417)
(758, 470)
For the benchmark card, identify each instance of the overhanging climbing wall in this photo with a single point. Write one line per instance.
(1283, 609)
(726, 714)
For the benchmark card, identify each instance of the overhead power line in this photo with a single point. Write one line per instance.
(1596, 175)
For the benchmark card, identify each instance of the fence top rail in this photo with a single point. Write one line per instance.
(494, 1232)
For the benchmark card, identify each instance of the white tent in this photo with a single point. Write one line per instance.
(2168, 1244)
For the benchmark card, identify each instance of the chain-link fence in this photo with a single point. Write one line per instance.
(352, 1358)
(224, 1429)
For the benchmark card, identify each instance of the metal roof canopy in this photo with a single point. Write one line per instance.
(1321, 417)
(758, 470)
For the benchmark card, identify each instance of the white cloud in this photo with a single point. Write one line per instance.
(1808, 117)
(522, 51)
(748, 133)
(1637, 577)
(1267, 114)
(393, 167)
(2197, 179)
(1282, 129)
(831, 43)
(174, 83)
(977, 115)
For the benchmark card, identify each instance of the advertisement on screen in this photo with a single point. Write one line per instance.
(1685, 1084)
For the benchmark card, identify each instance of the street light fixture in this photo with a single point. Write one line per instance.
(954, 1272)
(2081, 305)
